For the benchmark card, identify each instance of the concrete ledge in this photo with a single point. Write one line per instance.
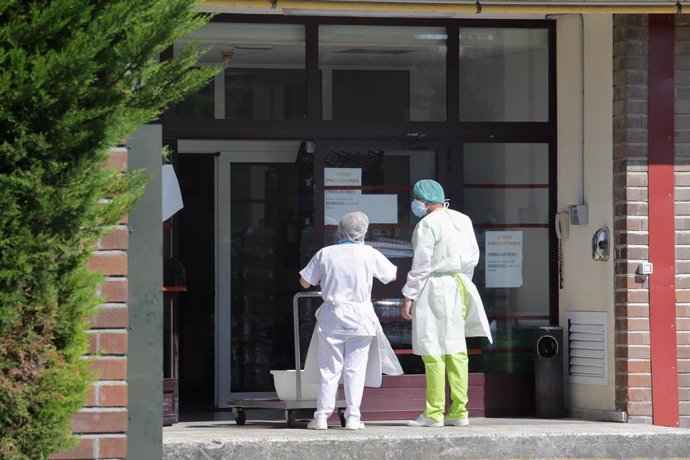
(599, 415)
(484, 438)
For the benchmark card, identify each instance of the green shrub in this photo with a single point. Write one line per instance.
(77, 76)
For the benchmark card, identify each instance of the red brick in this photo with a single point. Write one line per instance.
(638, 352)
(684, 394)
(633, 338)
(634, 394)
(113, 395)
(115, 289)
(683, 311)
(684, 380)
(632, 324)
(93, 343)
(635, 179)
(682, 208)
(634, 367)
(118, 238)
(683, 295)
(91, 397)
(682, 338)
(113, 447)
(112, 343)
(684, 408)
(632, 311)
(118, 159)
(685, 422)
(682, 223)
(682, 267)
(84, 450)
(683, 237)
(682, 282)
(99, 421)
(110, 317)
(684, 351)
(632, 282)
(639, 408)
(638, 380)
(111, 368)
(683, 252)
(632, 296)
(109, 263)
(684, 366)
(683, 324)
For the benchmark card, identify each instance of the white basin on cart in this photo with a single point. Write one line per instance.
(284, 381)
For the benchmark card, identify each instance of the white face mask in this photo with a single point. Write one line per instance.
(419, 209)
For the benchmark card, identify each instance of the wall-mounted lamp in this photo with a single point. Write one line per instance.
(600, 244)
(226, 56)
(414, 138)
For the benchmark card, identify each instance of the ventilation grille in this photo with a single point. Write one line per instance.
(587, 347)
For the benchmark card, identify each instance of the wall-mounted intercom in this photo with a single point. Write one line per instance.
(579, 214)
(562, 224)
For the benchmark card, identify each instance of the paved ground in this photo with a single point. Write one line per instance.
(484, 438)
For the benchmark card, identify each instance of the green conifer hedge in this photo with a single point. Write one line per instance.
(76, 77)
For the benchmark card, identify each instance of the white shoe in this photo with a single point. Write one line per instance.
(450, 421)
(423, 420)
(318, 423)
(354, 423)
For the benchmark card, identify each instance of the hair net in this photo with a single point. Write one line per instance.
(353, 226)
(430, 190)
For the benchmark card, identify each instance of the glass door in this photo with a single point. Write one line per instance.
(258, 196)
(506, 192)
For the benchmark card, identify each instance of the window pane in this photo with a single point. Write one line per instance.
(197, 105)
(265, 76)
(383, 73)
(265, 94)
(264, 261)
(379, 183)
(504, 74)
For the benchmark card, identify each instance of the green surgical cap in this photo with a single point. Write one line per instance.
(430, 190)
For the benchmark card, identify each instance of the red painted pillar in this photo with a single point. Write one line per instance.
(662, 298)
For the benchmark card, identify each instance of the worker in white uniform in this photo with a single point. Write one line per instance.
(348, 340)
(442, 302)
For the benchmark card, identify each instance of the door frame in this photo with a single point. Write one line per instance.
(228, 152)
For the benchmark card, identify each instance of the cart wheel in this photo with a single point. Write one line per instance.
(240, 415)
(341, 415)
(291, 418)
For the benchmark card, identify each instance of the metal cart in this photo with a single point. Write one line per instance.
(292, 408)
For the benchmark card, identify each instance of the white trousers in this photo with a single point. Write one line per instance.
(346, 355)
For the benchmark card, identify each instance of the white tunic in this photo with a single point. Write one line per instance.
(345, 273)
(445, 253)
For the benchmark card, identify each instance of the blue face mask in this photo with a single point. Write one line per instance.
(418, 208)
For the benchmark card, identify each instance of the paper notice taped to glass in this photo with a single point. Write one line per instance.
(172, 197)
(503, 259)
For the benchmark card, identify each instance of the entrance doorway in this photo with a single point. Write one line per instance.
(256, 211)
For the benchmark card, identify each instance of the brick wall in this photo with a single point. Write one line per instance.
(633, 378)
(102, 423)
(682, 192)
(631, 237)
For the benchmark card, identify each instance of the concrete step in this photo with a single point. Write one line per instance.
(484, 438)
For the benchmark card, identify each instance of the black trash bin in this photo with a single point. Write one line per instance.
(548, 372)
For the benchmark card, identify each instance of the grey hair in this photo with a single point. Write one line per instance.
(353, 226)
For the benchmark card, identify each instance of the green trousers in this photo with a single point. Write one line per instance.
(455, 367)
(437, 367)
